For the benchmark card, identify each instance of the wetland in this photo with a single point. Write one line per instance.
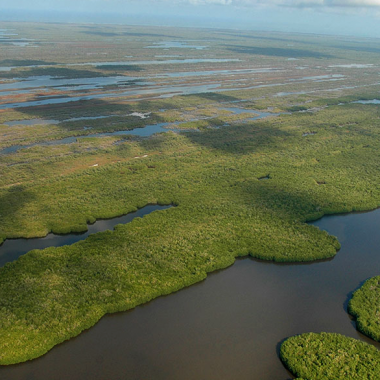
(253, 149)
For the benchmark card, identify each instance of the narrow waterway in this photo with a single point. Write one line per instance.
(228, 326)
(146, 131)
(11, 249)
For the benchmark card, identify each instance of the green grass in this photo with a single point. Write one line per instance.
(330, 357)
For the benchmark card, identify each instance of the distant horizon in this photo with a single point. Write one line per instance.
(215, 14)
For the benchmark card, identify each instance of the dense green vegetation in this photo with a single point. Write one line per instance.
(365, 307)
(330, 356)
(223, 211)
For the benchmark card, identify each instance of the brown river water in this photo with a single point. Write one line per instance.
(227, 327)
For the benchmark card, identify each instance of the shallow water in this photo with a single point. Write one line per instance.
(146, 131)
(258, 114)
(308, 134)
(354, 66)
(373, 101)
(16, 148)
(228, 326)
(158, 62)
(175, 44)
(46, 83)
(185, 74)
(318, 78)
(148, 92)
(11, 249)
(63, 84)
(94, 82)
(30, 122)
(88, 118)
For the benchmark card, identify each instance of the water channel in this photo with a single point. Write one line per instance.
(228, 326)
(11, 249)
(146, 131)
(151, 92)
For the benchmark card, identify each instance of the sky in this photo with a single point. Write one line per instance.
(342, 17)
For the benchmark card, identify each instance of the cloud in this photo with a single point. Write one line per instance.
(330, 3)
(220, 2)
(290, 3)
